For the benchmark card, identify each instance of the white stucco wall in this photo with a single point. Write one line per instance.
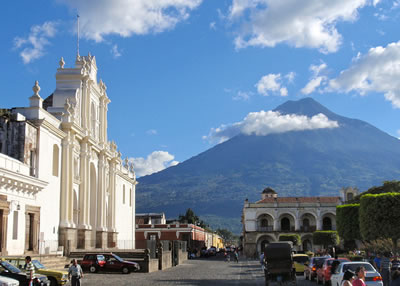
(125, 213)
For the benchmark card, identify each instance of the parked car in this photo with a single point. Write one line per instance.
(56, 277)
(324, 273)
(372, 277)
(299, 260)
(6, 281)
(93, 262)
(114, 263)
(212, 251)
(310, 271)
(10, 271)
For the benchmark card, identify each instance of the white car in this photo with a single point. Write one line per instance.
(372, 277)
(6, 281)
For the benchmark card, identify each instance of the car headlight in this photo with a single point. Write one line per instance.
(64, 277)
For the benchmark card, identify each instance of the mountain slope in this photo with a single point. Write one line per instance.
(298, 163)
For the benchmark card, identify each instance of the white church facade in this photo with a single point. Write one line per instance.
(62, 183)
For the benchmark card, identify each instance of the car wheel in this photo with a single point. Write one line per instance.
(53, 281)
(125, 270)
(92, 269)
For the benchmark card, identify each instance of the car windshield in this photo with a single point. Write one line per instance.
(319, 260)
(118, 258)
(10, 267)
(353, 266)
(100, 257)
(38, 265)
(300, 259)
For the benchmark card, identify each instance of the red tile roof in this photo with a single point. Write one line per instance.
(300, 200)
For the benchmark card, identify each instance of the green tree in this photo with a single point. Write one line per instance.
(191, 217)
(387, 187)
(228, 237)
(326, 238)
(295, 238)
(380, 216)
(347, 221)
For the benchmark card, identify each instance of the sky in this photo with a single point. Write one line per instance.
(184, 75)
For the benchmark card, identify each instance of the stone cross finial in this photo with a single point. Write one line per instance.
(36, 89)
(61, 63)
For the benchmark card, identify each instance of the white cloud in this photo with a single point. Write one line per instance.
(242, 95)
(316, 80)
(312, 85)
(212, 26)
(290, 76)
(33, 46)
(271, 83)
(151, 132)
(126, 17)
(155, 162)
(115, 52)
(376, 71)
(311, 23)
(398, 133)
(267, 122)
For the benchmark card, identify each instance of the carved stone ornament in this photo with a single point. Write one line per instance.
(61, 63)
(36, 89)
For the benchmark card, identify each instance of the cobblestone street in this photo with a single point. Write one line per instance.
(211, 271)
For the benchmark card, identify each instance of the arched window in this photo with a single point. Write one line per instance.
(349, 196)
(56, 156)
(327, 223)
(285, 224)
(93, 118)
(123, 194)
(264, 222)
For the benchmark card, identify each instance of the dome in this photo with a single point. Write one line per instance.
(268, 190)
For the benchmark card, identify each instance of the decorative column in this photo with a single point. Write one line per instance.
(101, 234)
(276, 225)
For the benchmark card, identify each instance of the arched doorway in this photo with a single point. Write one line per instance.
(285, 224)
(326, 223)
(262, 243)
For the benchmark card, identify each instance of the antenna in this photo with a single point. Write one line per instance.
(77, 42)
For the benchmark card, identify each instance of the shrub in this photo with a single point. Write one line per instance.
(326, 238)
(379, 214)
(347, 221)
(295, 238)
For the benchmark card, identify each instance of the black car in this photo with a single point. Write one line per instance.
(9, 270)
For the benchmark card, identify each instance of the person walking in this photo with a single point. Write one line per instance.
(377, 262)
(75, 273)
(236, 256)
(395, 278)
(348, 278)
(385, 269)
(360, 281)
(30, 270)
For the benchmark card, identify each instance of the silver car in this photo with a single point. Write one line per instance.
(372, 277)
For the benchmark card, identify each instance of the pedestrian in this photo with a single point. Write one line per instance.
(30, 270)
(395, 263)
(377, 262)
(395, 278)
(348, 278)
(75, 273)
(262, 260)
(360, 279)
(385, 269)
(236, 256)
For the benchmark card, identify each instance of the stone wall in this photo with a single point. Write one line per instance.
(165, 260)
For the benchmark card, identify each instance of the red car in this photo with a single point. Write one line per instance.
(93, 262)
(324, 273)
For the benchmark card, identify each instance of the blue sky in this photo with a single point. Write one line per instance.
(180, 73)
